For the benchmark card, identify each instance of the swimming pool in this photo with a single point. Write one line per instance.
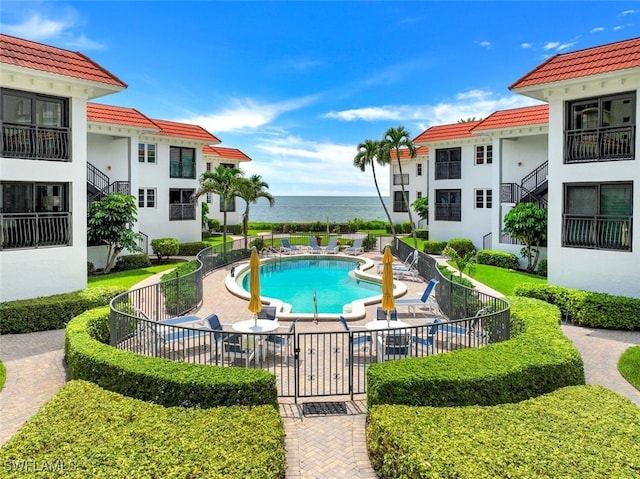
(294, 281)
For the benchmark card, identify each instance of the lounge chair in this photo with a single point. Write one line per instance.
(282, 342)
(407, 264)
(332, 246)
(268, 312)
(394, 345)
(381, 314)
(313, 245)
(422, 301)
(355, 248)
(234, 348)
(359, 340)
(475, 334)
(429, 340)
(287, 247)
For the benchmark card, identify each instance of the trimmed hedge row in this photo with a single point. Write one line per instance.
(575, 432)
(131, 261)
(159, 380)
(629, 365)
(500, 259)
(538, 359)
(434, 246)
(85, 431)
(52, 312)
(191, 249)
(586, 308)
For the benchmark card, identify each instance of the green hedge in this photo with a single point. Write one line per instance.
(87, 432)
(131, 261)
(52, 312)
(192, 249)
(461, 245)
(434, 246)
(585, 308)
(165, 247)
(575, 432)
(159, 380)
(538, 359)
(629, 365)
(501, 259)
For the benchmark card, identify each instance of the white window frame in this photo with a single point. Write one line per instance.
(144, 149)
(483, 198)
(143, 198)
(484, 155)
(419, 169)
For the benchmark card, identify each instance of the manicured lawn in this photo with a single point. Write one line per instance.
(502, 279)
(127, 279)
(3, 375)
(629, 366)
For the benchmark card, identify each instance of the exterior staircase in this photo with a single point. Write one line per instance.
(99, 185)
(532, 188)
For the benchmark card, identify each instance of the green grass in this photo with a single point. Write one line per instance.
(629, 366)
(127, 279)
(3, 375)
(501, 279)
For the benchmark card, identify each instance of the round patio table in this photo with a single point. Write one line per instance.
(250, 326)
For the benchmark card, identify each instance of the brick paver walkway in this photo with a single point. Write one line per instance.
(324, 447)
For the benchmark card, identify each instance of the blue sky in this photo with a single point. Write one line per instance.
(297, 85)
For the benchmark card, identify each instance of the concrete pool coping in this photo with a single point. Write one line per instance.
(352, 311)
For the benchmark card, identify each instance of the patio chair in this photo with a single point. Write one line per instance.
(332, 246)
(234, 348)
(268, 312)
(405, 265)
(313, 245)
(395, 345)
(422, 301)
(355, 248)
(476, 334)
(429, 340)
(282, 342)
(212, 323)
(287, 247)
(381, 314)
(359, 340)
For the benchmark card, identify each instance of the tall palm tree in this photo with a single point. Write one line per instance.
(370, 152)
(224, 183)
(250, 190)
(395, 139)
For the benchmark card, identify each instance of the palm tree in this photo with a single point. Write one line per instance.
(370, 152)
(224, 183)
(250, 190)
(394, 139)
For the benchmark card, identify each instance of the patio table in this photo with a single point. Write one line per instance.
(251, 327)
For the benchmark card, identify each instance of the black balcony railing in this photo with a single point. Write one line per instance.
(182, 211)
(600, 144)
(536, 178)
(35, 142)
(449, 170)
(448, 212)
(34, 230)
(597, 232)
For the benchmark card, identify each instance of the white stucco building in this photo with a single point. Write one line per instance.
(415, 177)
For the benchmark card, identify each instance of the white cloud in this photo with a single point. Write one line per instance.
(246, 114)
(485, 44)
(37, 27)
(551, 45)
(565, 46)
(628, 12)
(597, 29)
(526, 45)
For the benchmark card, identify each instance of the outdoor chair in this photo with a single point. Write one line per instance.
(287, 247)
(423, 301)
(236, 347)
(359, 340)
(268, 312)
(381, 314)
(429, 340)
(395, 345)
(475, 334)
(313, 245)
(281, 342)
(355, 248)
(332, 246)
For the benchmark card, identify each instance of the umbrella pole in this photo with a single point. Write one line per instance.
(388, 318)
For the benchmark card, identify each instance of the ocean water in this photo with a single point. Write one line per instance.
(334, 209)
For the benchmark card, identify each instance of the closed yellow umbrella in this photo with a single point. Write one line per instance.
(255, 305)
(388, 300)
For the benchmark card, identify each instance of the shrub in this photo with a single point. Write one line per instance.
(131, 261)
(164, 247)
(461, 245)
(214, 224)
(205, 235)
(575, 432)
(434, 246)
(538, 359)
(501, 259)
(52, 312)
(158, 380)
(234, 229)
(422, 233)
(629, 365)
(368, 242)
(191, 249)
(97, 433)
(258, 243)
(91, 268)
(585, 308)
(542, 268)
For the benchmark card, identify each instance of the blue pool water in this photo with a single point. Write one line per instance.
(294, 281)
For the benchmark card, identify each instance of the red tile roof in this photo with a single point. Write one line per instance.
(36, 56)
(591, 61)
(454, 131)
(118, 115)
(404, 153)
(184, 130)
(225, 153)
(529, 115)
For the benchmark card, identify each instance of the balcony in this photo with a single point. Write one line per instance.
(35, 230)
(597, 232)
(448, 170)
(600, 144)
(182, 211)
(35, 142)
(448, 212)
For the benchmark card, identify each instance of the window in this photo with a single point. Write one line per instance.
(448, 163)
(209, 198)
(182, 162)
(448, 205)
(231, 205)
(209, 168)
(484, 198)
(146, 153)
(147, 198)
(598, 215)
(33, 215)
(180, 205)
(399, 205)
(600, 129)
(418, 195)
(484, 154)
(227, 165)
(419, 169)
(34, 126)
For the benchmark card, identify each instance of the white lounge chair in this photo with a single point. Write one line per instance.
(422, 301)
(332, 246)
(355, 248)
(313, 245)
(286, 247)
